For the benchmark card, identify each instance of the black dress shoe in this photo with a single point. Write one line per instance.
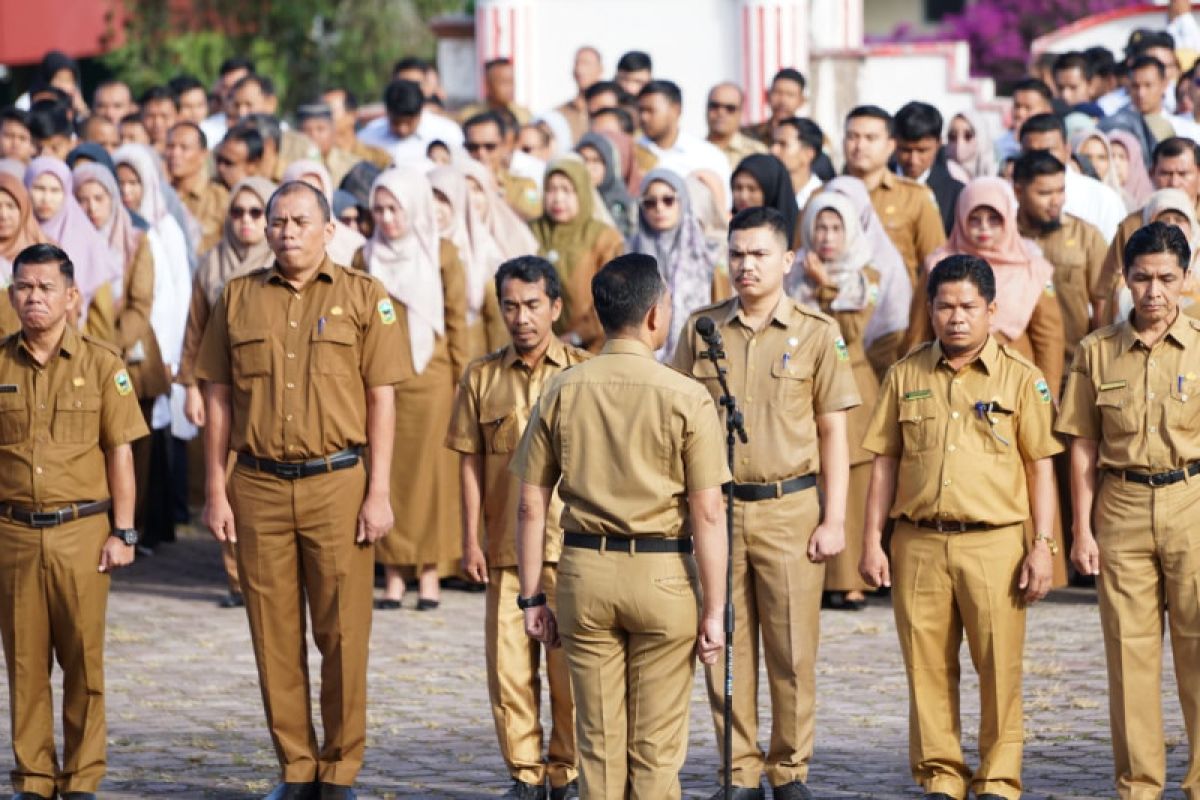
(568, 792)
(791, 791)
(427, 605)
(232, 600)
(331, 791)
(936, 796)
(837, 601)
(78, 796)
(387, 604)
(989, 796)
(741, 793)
(293, 791)
(525, 791)
(29, 796)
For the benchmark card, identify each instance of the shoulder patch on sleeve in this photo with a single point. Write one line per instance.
(124, 385)
(1043, 391)
(843, 353)
(387, 313)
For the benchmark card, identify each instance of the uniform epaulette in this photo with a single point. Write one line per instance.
(1107, 332)
(813, 312)
(713, 306)
(109, 346)
(578, 353)
(918, 348)
(1017, 356)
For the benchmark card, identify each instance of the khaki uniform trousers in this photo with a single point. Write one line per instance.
(1149, 543)
(942, 585)
(53, 602)
(296, 547)
(515, 687)
(632, 660)
(776, 591)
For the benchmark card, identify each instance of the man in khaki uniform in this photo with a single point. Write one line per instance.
(68, 414)
(186, 158)
(725, 102)
(298, 364)
(790, 371)
(909, 211)
(1130, 405)
(962, 437)
(635, 451)
(343, 105)
(495, 398)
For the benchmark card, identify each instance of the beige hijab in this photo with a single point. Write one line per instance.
(507, 228)
(230, 258)
(479, 252)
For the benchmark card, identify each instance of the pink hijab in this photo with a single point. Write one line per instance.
(96, 263)
(122, 235)
(1021, 271)
(1137, 181)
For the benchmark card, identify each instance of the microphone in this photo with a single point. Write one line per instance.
(708, 332)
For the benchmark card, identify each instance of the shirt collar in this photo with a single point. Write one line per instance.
(1181, 333)
(987, 356)
(556, 353)
(325, 273)
(782, 315)
(67, 346)
(626, 347)
(923, 178)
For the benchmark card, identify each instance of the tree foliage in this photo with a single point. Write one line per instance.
(302, 45)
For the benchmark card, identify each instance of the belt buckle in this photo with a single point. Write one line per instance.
(778, 489)
(291, 471)
(44, 519)
(1158, 480)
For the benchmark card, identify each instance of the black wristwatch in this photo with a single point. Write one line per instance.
(538, 599)
(127, 535)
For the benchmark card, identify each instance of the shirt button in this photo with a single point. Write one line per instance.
(291, 386)
(745, 461)
(946, 482)
(288, 417)
(291, 355)
(293, 324)
(951, 448)
(749, 399)
(78, 404)
(1151, 362)
(42, 406)
(38, 470)
(1154, 429)
(953, 415)
(753, 342)
(1149, 395)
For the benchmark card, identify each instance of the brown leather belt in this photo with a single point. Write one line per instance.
(952, 526)
(293, 470)
(628, 544)
(51, 519)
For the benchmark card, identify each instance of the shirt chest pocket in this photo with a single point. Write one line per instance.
(501, 431)
(333, 349)
(918, 427)
(1117, 415)
(14, 419)
(1183, 408)
(792, 385)
(250, 353)
(76, 419)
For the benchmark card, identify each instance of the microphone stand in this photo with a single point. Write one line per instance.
(734, 430)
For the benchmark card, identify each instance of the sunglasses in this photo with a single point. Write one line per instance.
(728, 108)
(238, 212)
(475, 147)
(651, 203)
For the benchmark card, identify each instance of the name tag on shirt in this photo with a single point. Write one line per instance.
(8, 388)
(1106, 387)
(919, 394)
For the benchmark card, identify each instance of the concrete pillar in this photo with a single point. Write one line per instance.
(505, 29)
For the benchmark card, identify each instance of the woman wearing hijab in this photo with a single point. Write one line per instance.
(1129, 167)
(346, 241)
(885, 331)
(18, 230)
(604, 168)
(1173, 207)
(1094, 145)
(511, 234)
(763, 180)
(969, 144)
(98, 268)
(687, 261)
(459, 221)
(833, 274)
(425, 278)
(577, 245)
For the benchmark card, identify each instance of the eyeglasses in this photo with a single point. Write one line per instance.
(728, 108)
(237, 212)
(651, 203)
(475, 147)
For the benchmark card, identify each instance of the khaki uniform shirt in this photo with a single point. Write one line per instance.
(625, 439)
(521, 194)
(209, 204)
(1076, 249)
(1142, 404)
(956, 463)
(796, 367)
(339, 162)
(739, 147)
(495, 398)
(763, 131)
(911, 217)
(365, 152)
(299, 361)
(57, 421)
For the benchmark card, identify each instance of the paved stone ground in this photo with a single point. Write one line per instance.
(185, 716)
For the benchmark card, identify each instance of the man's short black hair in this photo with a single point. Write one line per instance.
(300, 187)
(410, 63)
(790, 74)
(530, 269)
(14, 114)
(1035, 163)
(1144, 39)
(1034, 85)
(917, 120)
(1074, 60)
(193, 126)
(625, 290)
(249, 136)
(873, 112)
(349, 98)
(603, 87)
(181, 84)
(1173, 148)
(234, 64)
(960, 268)
(158, 94)
(761, 217)
(1043, 123)
(496, 62)
(624, 118)
(403, 98)
(131, 118)
(48, 118)
(809, 132)
(1148, 62)
(1101, 60)
(45, 254)
(1157, 237)
(668, 89)
(486, 118)
(267, 125)
(635, 61)
(264, 84)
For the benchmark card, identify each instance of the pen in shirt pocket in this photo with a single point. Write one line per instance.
(320, 326)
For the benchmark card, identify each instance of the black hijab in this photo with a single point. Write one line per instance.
(772, 177)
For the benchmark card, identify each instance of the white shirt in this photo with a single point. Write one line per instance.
(1185, 126)
(215, 128)
(808, 190)
(524, 165)
(1094, 202)
(410, 149)
(688, 154)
